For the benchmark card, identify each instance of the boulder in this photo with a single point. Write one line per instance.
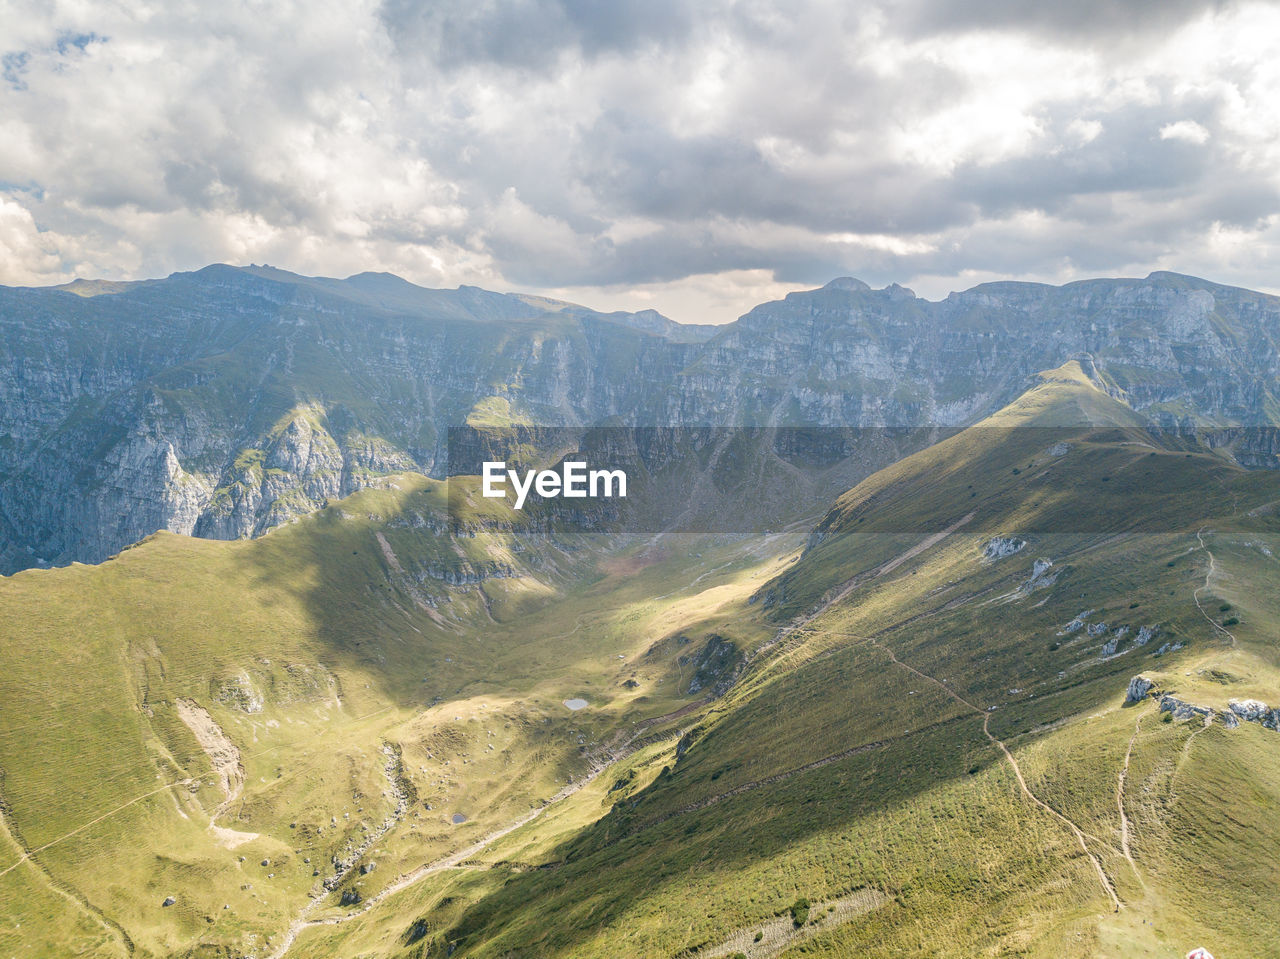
(1138, 689)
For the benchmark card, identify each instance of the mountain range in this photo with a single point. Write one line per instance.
(988, 667)
(225, 402)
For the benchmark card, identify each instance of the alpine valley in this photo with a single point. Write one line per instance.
(942, 629)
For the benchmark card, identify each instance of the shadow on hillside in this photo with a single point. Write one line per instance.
(659, 839)
(668, 837)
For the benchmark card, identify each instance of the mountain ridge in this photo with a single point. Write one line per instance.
(227, 401)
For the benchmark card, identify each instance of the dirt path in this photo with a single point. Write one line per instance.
(1218, 628)
(301, 922)
(633, 741)
(60, 888)
(889, 566)
(1017, 772)
(93, 822)
(1124, 819)
(1185, 754)
(1080, 837)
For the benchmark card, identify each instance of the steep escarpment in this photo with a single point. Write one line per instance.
(1185, 351)
(226, 402)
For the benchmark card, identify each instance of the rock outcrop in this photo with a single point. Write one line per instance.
(1002, 546)
(1237, 711)
(1253, 711)
(715, 667)
(1139, 688)
(1146, 634)
(1075, 624)
(1182, 709)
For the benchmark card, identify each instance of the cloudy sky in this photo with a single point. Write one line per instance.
(694, 157)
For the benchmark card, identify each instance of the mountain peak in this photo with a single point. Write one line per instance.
(847, 283)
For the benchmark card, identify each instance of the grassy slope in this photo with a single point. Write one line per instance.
(831, 767)
(336, 636)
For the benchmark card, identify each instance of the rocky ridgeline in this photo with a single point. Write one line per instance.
(1182, 709)
(228, 401)
(1237, 711)
(1141, 688)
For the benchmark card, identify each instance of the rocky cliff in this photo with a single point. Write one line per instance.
(227, 401)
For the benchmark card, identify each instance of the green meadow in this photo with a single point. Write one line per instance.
(930, 746)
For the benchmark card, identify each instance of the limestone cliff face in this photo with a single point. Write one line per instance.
(228, 401)
(1185, 351)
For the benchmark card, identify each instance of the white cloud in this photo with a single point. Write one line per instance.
(1186, 130)
(1083, 131)
(693, 152)
(27, 257)
(699, 298)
